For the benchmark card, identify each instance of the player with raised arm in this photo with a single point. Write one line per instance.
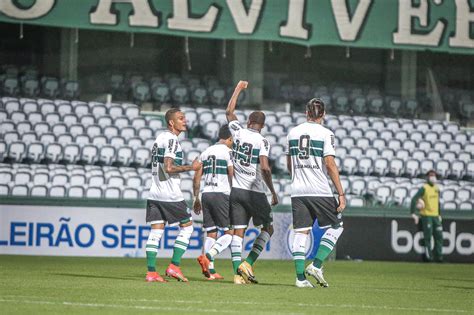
(165, 203)
(310, 157)
(218, 170)
(247, 196)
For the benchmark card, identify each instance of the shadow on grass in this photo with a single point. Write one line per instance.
(458, 287)
(133, 278)
(452, 279)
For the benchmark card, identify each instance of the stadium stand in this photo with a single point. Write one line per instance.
(69, 148)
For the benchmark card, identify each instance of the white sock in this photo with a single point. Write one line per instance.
(153, 240)
(236, 248)
(222, 243)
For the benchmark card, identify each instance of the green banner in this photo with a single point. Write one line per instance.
(437, 25)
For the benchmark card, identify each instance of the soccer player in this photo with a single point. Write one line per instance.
(310, 157)
(166, 201)
(218, 170)
(430, 217)
(247, 196)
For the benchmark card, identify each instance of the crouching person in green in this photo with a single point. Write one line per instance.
(426, 201)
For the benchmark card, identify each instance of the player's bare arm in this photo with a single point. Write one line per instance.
(196, 188)
(267, 177)
(288, 164)
(242, 85)
(170, 168)
(333, 173)
(230, 174)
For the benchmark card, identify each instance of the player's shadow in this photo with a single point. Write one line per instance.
(451, 279)
(94, 276)
(231, 282)
(458, 287)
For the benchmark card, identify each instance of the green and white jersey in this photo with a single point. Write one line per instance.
(215, 160)
(307, 144)
(165, 187)
(248, 146)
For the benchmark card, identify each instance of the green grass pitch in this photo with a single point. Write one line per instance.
(33, 285)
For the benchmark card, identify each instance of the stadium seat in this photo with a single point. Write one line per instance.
(399, 195)
(396, 167)
(463, 195)
(30, 107)
(442, 168)
(71, 153)
(40, 178)
(124, 156)
(57, 191)
(59, 128)
(112, 193)
(22, 178)
(20, 190)
(10, 86)
(50, 87)
(381, 166)
(39, 191)
(82, 140)
(76, 129)
(3, 150)
(11, 136)
(96, 192)
(466, 206)
(16, 151)
(349, 165)
(358, 187)
(76, 192)
(127, 132)
(211, 129)
(426, 165)
(382, 194)
(448, 195)
(130, 193)
(145, 133)
(53, 153)
(18, 116)
(89, 154)
(35, 153)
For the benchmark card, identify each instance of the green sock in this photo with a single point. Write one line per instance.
(236, 261)
(151, 260)
(252, 257)
(257, 247)
(299, 266)
(322, 254)
(317, 263)
(178, 250)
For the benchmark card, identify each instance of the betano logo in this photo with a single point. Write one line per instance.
(404, 241)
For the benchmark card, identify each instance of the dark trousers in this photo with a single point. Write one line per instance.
(432, 227)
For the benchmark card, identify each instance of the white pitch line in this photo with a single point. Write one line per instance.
(313, 304)
(189, 309)
(192, 309)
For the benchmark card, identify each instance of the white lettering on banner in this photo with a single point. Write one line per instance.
(294, 26)
(349, 28)
(463, 243)
(406, 14)
(183, 22)
(464, 21)
(67, 231)
(245, 22)
(36, 10)
(142, 13)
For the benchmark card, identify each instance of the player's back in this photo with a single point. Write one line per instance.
(165, 187)
(248, 146)
(308, 143)
(216, 159)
